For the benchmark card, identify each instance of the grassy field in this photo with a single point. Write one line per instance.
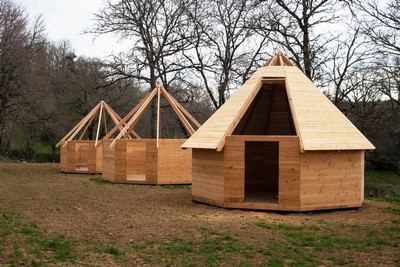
(382, 186)
(52, 219)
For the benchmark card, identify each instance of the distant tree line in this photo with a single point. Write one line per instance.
(201, 51)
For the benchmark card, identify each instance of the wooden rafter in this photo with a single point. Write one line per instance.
(132, 118)
(101, 109)
(278, 60)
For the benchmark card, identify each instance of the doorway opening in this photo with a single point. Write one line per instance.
(261, 171)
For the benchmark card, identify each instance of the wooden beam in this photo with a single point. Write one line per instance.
(99, 122)
(129, 115)
(186, 124)
(158, 115)
(117, 119)
(104, 120)
(86, 127)
(241, 113)
(184, 111)
(78, 127)
(132, 122)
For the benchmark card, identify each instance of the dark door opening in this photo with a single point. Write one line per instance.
(261, 171)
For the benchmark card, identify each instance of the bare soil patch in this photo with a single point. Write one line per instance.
(93, 212)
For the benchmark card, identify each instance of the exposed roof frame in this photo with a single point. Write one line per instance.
(135, 114)
(101, 109)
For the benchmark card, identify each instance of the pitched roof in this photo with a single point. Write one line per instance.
(319, 124)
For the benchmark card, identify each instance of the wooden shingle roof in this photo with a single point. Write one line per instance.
(319, 124)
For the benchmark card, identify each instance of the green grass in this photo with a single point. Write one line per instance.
(23, 242)
(108, 249)
(328, 244)
(382, 185)
(211, 249)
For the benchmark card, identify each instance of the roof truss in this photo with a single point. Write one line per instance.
(100, 110)
(132, 118)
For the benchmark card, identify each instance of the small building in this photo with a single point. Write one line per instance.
(78, 152)
(278, 143)
(149, 161)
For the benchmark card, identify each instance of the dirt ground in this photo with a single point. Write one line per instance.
(86, 209)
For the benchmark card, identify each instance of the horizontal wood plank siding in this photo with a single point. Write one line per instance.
(174, 163)
(80, 156)
(331, 179)
(208, 176)
(63, 157)
(108, 161)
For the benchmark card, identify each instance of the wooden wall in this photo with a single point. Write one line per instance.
(151, 162)
(135, 159)
(208, 176)
(174, 163)
(140, 162)
(81, 156)
(332, 179)
(63, 157)
(108, 161)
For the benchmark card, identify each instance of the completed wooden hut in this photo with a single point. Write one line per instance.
(80, 154)
(278, 144)
(149, 161)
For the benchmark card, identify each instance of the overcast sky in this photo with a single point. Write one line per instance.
(67, 19)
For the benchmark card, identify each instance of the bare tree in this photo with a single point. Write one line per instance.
(226, 46)
(301, 29)
(157, 30)
(349, 56)
(20, 50)
(380, 24)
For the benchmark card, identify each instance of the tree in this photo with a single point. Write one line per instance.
(157, 30)
(380, 24)
(299, 28)
(349, 58)
(226, 46)
(21, 51)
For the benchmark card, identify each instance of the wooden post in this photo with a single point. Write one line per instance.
(158, 116)
(99, 123)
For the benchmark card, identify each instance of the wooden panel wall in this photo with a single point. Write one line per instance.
(81, 154)
(174, 163)
(208, 176)
(151, 162)
(63, 157)
(135, 159)
(140, 162)
(120, 161)
(289, 171)
(95, 160)
(108, 161)
(234, 170)
(332, 179)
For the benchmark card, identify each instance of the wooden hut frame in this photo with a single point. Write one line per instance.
(85, 156)
(149, 161)
(278, 144)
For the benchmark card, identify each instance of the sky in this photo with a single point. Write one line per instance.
(67, 19)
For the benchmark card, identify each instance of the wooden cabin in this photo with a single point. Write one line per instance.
(278, 144)
(78, 153)
(149, 161)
